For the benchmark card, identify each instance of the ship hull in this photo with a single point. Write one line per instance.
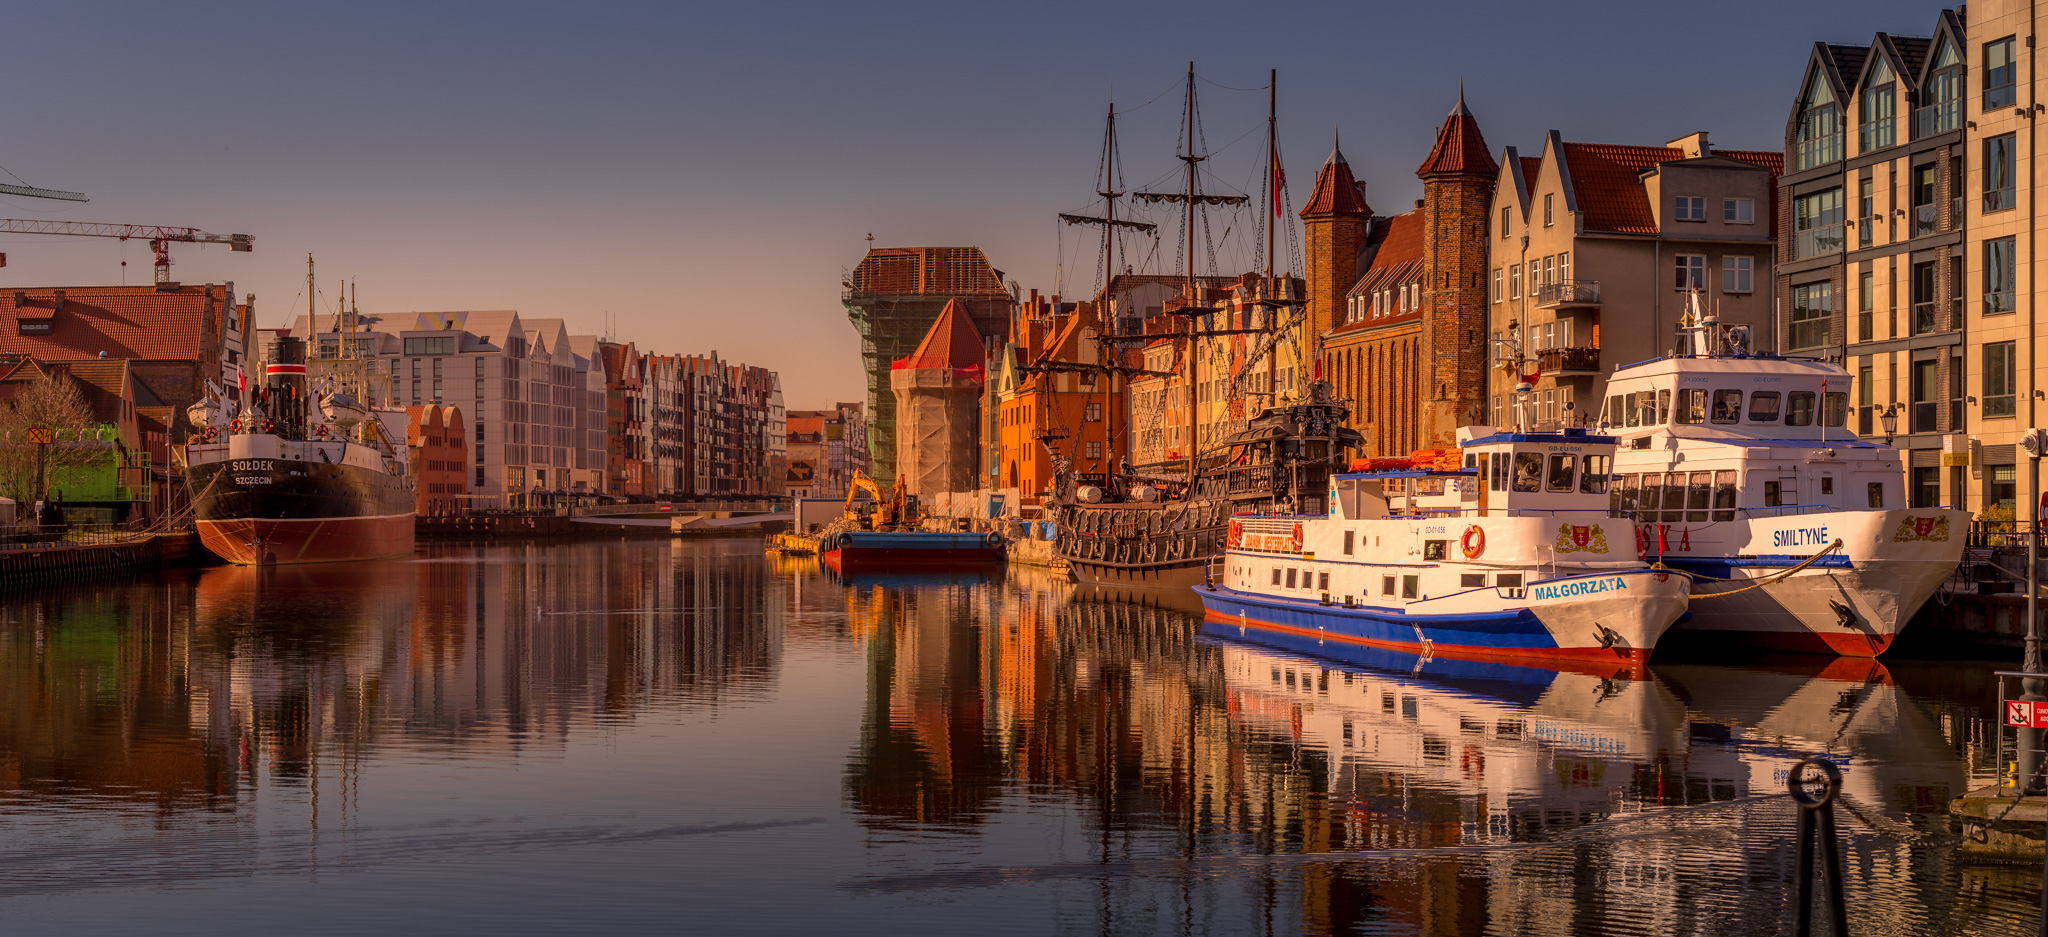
(276, 511)
(868, 551)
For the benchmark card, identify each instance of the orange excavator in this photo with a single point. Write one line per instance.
(887, 510)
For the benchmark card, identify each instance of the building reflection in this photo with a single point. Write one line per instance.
(190, 691)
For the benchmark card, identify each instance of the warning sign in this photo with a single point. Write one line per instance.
(39, 436)
(2026, 715)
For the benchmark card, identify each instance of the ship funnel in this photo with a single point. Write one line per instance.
(285, 386)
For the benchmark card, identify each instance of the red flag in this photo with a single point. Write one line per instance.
(1319, 369)
(1279, 182)
(244, 375)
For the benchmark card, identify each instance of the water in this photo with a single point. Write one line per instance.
(691, 737)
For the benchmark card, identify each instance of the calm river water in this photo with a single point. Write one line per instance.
(691, 737)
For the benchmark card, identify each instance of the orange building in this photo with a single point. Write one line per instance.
(439, 441)
(1048, 397)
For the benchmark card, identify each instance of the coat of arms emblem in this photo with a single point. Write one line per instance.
(1572, 538)
(1922, 528)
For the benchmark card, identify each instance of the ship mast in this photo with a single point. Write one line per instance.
(1272, 199)
(1109, 223)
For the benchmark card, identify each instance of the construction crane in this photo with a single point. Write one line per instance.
(159, 236)
(33, 192)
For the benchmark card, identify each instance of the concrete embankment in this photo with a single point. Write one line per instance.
(43, 563)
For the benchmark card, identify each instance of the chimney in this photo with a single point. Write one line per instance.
(1418, 203)
(58, 297)
(1694, 145)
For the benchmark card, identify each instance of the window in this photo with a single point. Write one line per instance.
(1548, 197)
(1692, 405)
(1699, 492)
(1688, 208)
(2000, 379)
(1564, 266)
(1322, 582)
(1504, 216)
(1944, 98)
(1876, 494)
(1813, 306)
(1514, 281)
(2001, 486)
(1593, 476)
(1276, 575)
(1866, 209)
(1875, 111)
(416, 392)
(1727, 406)
(1724, 495)
(1411, 585)
(1093, 412)
(1774, 494)
(1563, 471)
(1998, 74)
(1738, 274)
(1508, 580)
(1998, 173)
(1820, 125)
(437, 345)
(1350, 537)
(1999, 276)
(1926, 217)
(1471, 580)
(1692, 272)
(1817, 224)
(1497, 284)
(1386, 584)
(1434, 549)
(1799, 408)
(1834, 408)
(1738, 210)
(1095, 449)
(1528, 471)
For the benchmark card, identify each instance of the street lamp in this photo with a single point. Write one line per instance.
(2035, 443)
(1889, 419)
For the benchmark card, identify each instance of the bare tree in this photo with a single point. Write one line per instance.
(25, 468)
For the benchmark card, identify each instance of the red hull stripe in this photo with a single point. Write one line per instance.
(876, 558)
(266, 542)
(1588, 660)
(285, 369)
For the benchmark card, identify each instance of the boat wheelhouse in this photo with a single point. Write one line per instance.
(1739, 468)
(1502, 549)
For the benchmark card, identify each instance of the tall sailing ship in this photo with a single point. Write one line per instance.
(281, 474)
(1158, 528)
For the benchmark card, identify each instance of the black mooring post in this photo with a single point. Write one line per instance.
(1814, 784)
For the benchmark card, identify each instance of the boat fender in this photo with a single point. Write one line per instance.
(845, 540)
(1473, 542)
(995, 540)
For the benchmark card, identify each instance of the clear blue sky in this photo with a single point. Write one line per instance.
(704, 173)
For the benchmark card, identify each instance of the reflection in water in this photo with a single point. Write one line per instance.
(693, 728)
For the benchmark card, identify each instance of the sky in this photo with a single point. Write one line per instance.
(698, 178)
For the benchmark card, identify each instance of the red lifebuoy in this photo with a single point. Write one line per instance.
(212, 433)
(1473, 542)
(266, 426)
(322, 430)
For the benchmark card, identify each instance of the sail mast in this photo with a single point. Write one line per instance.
(1109, 196)
(1270, 312)
(1188, 221)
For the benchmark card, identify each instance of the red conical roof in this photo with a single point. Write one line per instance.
(1336, 191)
(953, 342)
(1459, 145)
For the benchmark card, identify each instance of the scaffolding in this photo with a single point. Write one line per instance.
(892, 299)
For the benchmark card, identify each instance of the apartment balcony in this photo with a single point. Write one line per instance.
(1937, 118)
(1568, 293)
(1814, 242)
(1818, 151)
(1569, 360)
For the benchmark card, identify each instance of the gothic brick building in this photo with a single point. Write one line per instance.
(1400, 302)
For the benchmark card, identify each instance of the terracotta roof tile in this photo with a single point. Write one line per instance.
(953, 342)
(1530, 164)
(1336, 191)
(123, 321)
(1610, 194)
(1396, 259)
(1460, 147)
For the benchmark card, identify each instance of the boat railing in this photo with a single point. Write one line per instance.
(1987, 534)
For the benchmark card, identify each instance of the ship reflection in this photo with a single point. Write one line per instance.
(1208, 749)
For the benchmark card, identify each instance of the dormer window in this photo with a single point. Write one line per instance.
(1820, 125)
(1874, 118)
(1944, 94)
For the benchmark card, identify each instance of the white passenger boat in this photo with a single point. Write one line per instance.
(1504, 549)
(1739, 468)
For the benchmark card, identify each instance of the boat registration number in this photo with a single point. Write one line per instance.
(1565, 590)
(252, 479)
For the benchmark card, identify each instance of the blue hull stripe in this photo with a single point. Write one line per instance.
(1509, 629)
(1488, 679)
(1724, 567)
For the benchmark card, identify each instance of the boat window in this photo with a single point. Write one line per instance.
(1698, 493)
(1727, 406)
(1471, 580)
(1350, 536)
(1827, 484)
(1799, 408)
(1593, 479)
(1663, 407)
(1692, 405)
(1646, 499)
(1433, 549)
(1674, 496)
(1724, 495)
(1276, 575)
(1410, 586)
(1774, 495)
(1563, 471)
(1877, 494)
(1528, 471)
(1322, 582)
(1290, 576)
(1386, 585)
(1834, 410)
(1616, 407)
(1508, 580)
(1763, 406)
(1623, 497)
(1635, 407)
(1499, 471)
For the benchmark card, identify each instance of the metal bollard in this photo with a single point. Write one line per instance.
(1817, 823)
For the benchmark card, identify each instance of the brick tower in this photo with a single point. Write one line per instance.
(1336, 221)
(1457, 190)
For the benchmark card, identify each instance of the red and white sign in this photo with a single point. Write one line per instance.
(2026, 715)
(664, 506)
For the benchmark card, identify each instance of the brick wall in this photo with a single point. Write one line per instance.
(1453, 365)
